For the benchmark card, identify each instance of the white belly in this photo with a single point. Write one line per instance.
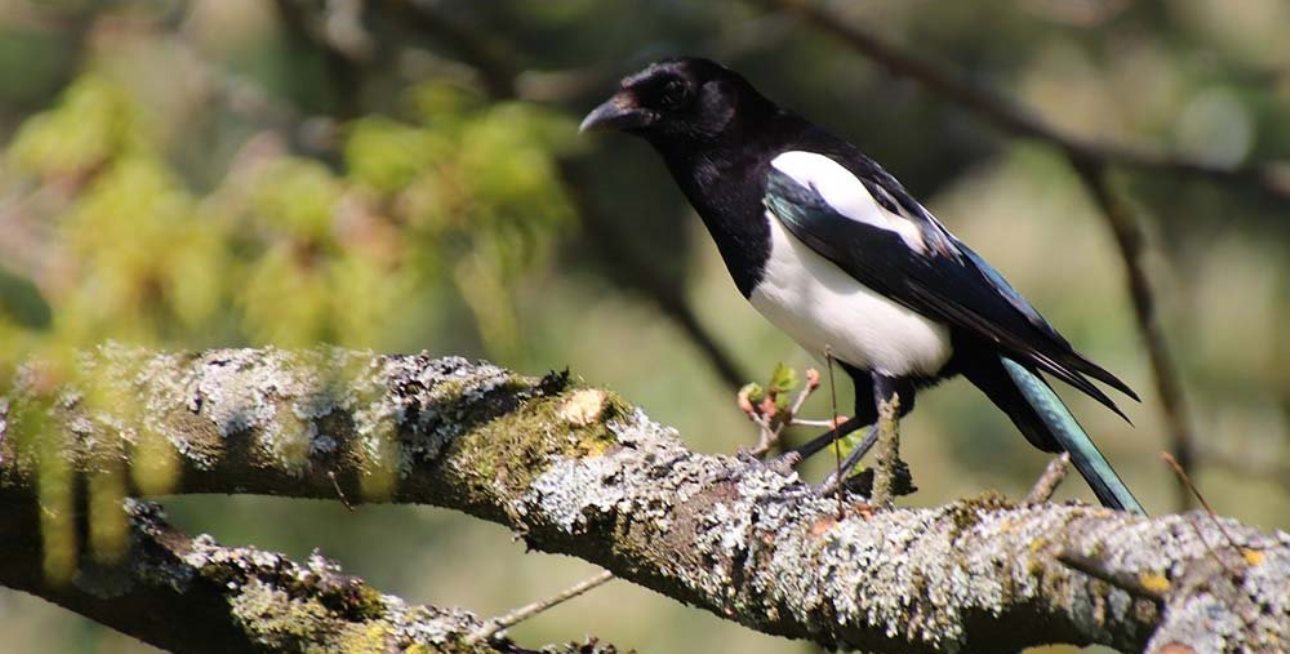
(819, 306)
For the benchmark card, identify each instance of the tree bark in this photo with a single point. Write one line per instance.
(581, 472)
(193, 595)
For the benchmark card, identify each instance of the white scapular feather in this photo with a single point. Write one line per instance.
(821, 306)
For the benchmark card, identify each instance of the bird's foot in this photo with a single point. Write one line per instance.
(856, 490)
(861, 483)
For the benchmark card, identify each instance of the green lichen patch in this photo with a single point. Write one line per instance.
(508, 452)
(967, 513)
(276, 620)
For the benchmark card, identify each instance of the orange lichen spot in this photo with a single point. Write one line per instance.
(865, 511)
(1252, 557)
(1154, 582)
(822, 525)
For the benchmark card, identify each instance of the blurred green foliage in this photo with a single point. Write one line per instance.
(463, 191)
(236, 172)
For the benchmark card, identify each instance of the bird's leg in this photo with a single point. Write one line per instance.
(831, 482)
(822, 441)
(784, 463)
(888, 402)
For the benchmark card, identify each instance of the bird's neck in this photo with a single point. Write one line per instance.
(726, 186)
(725, 180)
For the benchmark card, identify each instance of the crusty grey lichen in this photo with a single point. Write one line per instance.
(296, 408)
(584, 473)
(284, 606)
(907, 580)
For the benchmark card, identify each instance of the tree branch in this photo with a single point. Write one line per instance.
(581, 472)
(193, 595)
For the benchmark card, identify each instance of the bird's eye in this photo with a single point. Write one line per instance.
(674, 94)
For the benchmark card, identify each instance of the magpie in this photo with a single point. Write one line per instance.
(831, 249)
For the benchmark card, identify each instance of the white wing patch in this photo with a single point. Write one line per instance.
(846, 194)
(822, 307)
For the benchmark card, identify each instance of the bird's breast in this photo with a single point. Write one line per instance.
(822, 307)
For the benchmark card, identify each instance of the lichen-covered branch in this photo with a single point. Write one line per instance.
(193, 595)
(580, 472)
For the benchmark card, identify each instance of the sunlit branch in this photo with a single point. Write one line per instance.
(581, 472)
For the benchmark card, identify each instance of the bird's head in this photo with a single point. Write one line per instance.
(681, 99)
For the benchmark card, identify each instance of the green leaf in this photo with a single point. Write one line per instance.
(784, 379)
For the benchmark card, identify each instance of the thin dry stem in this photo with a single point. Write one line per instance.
(1048, 482)
(1121, 580)
(1186, 480)
(837, 442)
(494, 625)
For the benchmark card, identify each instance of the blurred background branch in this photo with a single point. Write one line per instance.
(1010, 116)
(1131, 241)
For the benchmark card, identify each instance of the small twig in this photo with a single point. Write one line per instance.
(812, 383)
(1048, 482)
(837, 442)
(804, 422)
(527, 611)
(765, 436)
(772, 422)
(755, 413)
(1186, 480)
(1129, 583)
(339, 493)
(789, 417)
(888, 452)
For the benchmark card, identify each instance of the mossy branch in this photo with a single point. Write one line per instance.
(580, 472)
(189, 594)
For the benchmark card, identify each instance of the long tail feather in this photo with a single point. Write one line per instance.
(1088, 460)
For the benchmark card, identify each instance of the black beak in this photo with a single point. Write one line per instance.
(619, 112)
